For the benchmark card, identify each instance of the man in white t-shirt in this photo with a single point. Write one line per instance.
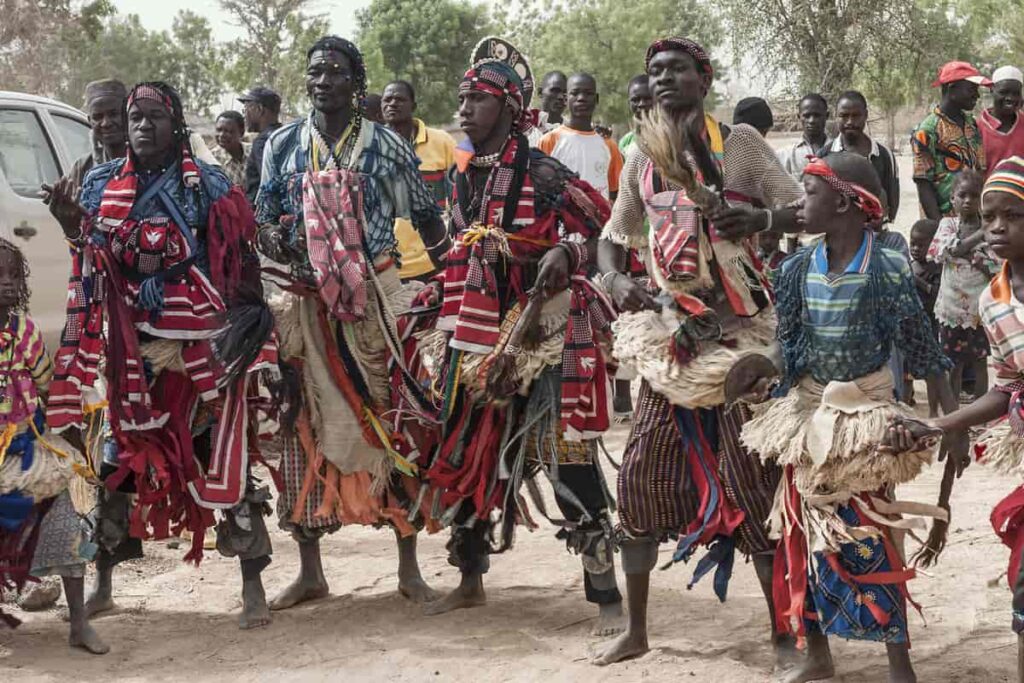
(576, 144)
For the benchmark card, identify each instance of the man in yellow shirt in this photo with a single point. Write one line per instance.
(436, 151)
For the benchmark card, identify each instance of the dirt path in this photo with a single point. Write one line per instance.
(178, 623)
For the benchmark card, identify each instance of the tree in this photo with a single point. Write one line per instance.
(606, 38)
(818, 45)
(273, 53)
(33, 49)
(186, 57)
(427, 42)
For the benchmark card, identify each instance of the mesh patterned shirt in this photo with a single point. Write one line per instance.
(391, 183)
(750, 168)
(838, 327)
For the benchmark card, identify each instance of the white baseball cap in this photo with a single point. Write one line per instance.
(1008, 73)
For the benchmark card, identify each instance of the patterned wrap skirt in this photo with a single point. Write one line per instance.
(657, 494)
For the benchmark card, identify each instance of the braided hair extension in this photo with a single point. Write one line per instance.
(182, 133)
(347, 48)
(21, 264)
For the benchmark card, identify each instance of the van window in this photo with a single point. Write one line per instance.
(26, 157)
(76, 135)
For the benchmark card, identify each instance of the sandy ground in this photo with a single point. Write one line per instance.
(178, 623)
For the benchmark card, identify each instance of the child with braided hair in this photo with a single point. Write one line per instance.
(40, 532)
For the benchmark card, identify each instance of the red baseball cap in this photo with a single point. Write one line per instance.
(951, 72)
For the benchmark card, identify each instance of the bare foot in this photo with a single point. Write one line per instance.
(417, 590)
(810, 669)
(786, 654)
(463, 597)
(98, 603)
(255, 612)
(301, 590)
(86, 638)
(611, 620)
(626, 646)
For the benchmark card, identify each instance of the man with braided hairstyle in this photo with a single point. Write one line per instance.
(522, 378)
(166, 327)
(332, 186)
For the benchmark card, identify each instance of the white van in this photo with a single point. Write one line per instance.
(40, 139)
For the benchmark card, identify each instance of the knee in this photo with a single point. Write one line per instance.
(639, 555)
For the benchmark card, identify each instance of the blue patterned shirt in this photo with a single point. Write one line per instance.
(843, 326)
(391, 183)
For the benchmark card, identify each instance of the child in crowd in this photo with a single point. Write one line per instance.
(927, 275)
(769, 249)
(967, 266)
(1002, 316)
(40, 532)
(843, 305)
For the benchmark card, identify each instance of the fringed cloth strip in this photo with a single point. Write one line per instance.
(1007, 520)
(790, 584)
(17, 548)
(373, 430)
(349, 496)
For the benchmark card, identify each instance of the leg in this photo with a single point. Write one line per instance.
(639, 556)
(900, 668)
(980, 377)
(311, 583)
(933, 404)
(255, 612)
(592, 541)
(467, 550)
(818, 664)
(410, 581)
(956, 376)
(1020, 658)
(623, 401)
(784, 644)
(82, 633)
(101, 598)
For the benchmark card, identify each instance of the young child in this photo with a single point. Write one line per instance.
(1002, 316)
(40, 532)
(769, 249)
(967, 266)
(843, 305)
(927, 276)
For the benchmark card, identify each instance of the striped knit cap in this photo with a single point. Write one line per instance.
(1007, 177)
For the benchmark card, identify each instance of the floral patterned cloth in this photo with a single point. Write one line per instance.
(963, 277)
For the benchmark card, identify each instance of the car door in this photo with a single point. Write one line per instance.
(28, 158)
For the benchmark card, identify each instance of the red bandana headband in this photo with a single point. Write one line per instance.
(862, 199)
(148, 92)
(686, 45)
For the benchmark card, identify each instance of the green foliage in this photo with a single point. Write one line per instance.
(186, 57)
(273, 52)
(606, 38)
(427, 42)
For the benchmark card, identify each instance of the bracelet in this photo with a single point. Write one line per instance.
(768, 221)
(608, 278)
(444, 238)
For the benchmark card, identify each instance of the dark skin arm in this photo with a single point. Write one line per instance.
(736, 222)
(929, 199)
(64, 206)
(626, 294)
(968, 244)
(435, 237)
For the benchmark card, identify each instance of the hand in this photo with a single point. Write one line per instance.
(958, 446)
(629, 297)
(64, 206)
(907, 434)
(553, 272)
(603, 131)
(736, 222)
(270, 240)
